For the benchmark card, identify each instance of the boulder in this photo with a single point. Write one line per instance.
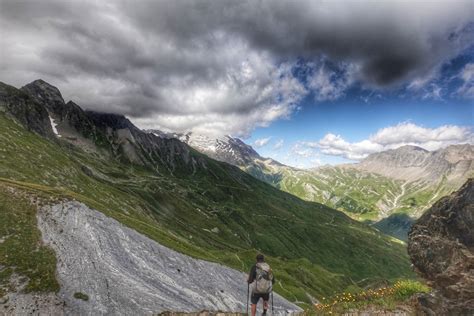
(441, 247)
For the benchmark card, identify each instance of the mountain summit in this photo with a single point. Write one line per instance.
(224, 148)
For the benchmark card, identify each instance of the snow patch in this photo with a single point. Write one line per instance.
(53, 126)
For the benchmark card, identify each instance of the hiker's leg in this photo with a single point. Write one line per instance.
(254, 298)
(265, 306)
(254, 309)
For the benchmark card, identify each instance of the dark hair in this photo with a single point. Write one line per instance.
(260, 258)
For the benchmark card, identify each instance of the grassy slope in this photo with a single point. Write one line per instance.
(21, 252)
(349, 190)
(313, 249)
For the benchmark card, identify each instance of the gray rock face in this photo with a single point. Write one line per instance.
(441, 246)
(125, 273)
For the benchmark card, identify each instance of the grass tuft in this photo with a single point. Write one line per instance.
(387, 298)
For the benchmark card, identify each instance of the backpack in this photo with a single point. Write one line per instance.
(263, 280)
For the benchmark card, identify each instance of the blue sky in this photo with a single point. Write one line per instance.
(360, 113)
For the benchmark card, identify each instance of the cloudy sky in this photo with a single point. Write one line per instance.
(305, 82)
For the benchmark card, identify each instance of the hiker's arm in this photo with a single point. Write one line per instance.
(252, 273)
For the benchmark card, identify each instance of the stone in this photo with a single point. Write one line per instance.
(441, 247)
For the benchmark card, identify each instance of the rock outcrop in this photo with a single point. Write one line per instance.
(441, 247)
(122, 272)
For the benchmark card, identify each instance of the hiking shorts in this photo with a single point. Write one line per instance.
(256, 297)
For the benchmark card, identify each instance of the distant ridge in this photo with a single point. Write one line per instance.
(413, 163)
(403, 182)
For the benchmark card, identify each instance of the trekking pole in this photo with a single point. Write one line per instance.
(272, 303)
(248, 287)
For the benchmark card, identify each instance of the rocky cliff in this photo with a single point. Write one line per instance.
(441, 247)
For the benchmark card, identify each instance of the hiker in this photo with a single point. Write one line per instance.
(261, 276)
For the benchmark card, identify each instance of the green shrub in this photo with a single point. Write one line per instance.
(404, 289)
(81, 296)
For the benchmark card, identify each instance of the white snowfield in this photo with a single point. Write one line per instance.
(125, 273)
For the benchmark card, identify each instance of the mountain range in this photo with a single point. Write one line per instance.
(53, 151)
(389, 189)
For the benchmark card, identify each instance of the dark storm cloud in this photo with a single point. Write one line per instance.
(393, 41)
(221, 65)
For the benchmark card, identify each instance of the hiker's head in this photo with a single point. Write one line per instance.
(260, 258)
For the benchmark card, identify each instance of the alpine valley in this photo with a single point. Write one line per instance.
(94, 211)
(388, 190)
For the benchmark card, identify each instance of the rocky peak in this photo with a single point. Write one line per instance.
(25, 109)
(224, 148)
(46, 94)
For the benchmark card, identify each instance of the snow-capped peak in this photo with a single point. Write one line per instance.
(224, 148)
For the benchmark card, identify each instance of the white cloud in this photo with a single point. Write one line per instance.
(393, 137)
(335, 145)
(467, 76)
(254, 94)
(330, 85)
(433, 92)
(409, 133)
(261, 142)
(279, 144)
(300, 150)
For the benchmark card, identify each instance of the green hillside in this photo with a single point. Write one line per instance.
(360, 194)
(216, 212)
(366, 196)
(348, 190)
